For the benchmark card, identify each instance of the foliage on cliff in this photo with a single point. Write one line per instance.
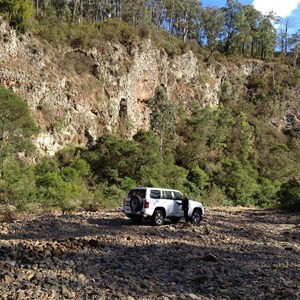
(232, 29)
(223, 156)
(229, 155)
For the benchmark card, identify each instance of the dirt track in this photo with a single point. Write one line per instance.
(233, 254)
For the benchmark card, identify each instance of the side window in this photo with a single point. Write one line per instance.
(167, 195)
(155, 194)
(177, 195)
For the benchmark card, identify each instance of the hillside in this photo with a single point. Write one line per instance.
(130, 112)
(76, 94)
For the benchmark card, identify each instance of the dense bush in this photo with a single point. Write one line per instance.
(289, 195)
(87, 34)
(16, 125)
(20, 12)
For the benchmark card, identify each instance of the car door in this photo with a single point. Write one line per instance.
(177, 199)
(167, 198)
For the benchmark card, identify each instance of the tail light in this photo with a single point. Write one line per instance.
(146, 203)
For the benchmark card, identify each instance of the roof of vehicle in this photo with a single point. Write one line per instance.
(154, 188)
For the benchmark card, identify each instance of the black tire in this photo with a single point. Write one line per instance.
(158, 217)
(196, 216)
(136, 219)
(174, 220)
(136, 203)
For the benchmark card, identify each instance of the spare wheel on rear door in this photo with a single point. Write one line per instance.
(136, 203)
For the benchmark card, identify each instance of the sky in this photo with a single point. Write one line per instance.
(282, 8)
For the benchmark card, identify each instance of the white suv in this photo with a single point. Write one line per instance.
(158, 204)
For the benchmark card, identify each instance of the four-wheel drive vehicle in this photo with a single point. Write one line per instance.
(158, 204)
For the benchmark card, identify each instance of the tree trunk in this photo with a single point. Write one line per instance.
(75, 9)
(36, 7)
(185, 28)
(118, 9)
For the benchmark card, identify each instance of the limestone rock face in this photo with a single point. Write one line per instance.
(75, 95)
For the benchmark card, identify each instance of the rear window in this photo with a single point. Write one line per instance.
(137, 192)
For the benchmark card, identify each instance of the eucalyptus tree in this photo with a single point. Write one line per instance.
(212, 21)
(183, 17)
(100, 10)
(253, 19)
(156, 11)
(162, 120)
(133, 12)
(286, 24)
(294, 42)
(117, 12)
(266, 36)
(244, 38)
(234, 21)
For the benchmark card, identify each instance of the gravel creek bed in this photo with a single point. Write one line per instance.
(235, 253)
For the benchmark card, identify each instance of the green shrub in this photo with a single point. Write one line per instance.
(215, 196)
(16, 125)
(111, 196)
(17, 185)
(239, 181)
(20, 12)
(171, 44)
(289, 195)
(144, 31)
(114, 30)
(267, 193)
(199, 178)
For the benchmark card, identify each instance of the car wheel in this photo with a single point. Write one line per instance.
(196, 216)
(175, 220)
(158, 217)
(136, 219)
(136, 203)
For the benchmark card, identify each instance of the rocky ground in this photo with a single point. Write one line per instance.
(233, 254)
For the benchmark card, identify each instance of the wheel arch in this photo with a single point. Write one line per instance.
(198, 208)
(160, 208)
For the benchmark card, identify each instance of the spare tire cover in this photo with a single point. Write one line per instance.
(136, 203)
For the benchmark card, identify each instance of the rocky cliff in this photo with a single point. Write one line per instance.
(75, 95)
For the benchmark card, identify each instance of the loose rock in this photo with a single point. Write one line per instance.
(234, 253)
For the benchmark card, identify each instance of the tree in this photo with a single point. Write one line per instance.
(204, 137)
(113, 158)
(133, 12)
(60, 7)
(266, 36)
(16, 125)
(289, 194)
(150, 164)
(234, 20)
(253, 19)
(183, 17)
(20, 12)
(286, 24)
(294, 42)
(17, 185)
(242, 138)
(156, 10)
(162, 119)
(212, 20)
(239, 181)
